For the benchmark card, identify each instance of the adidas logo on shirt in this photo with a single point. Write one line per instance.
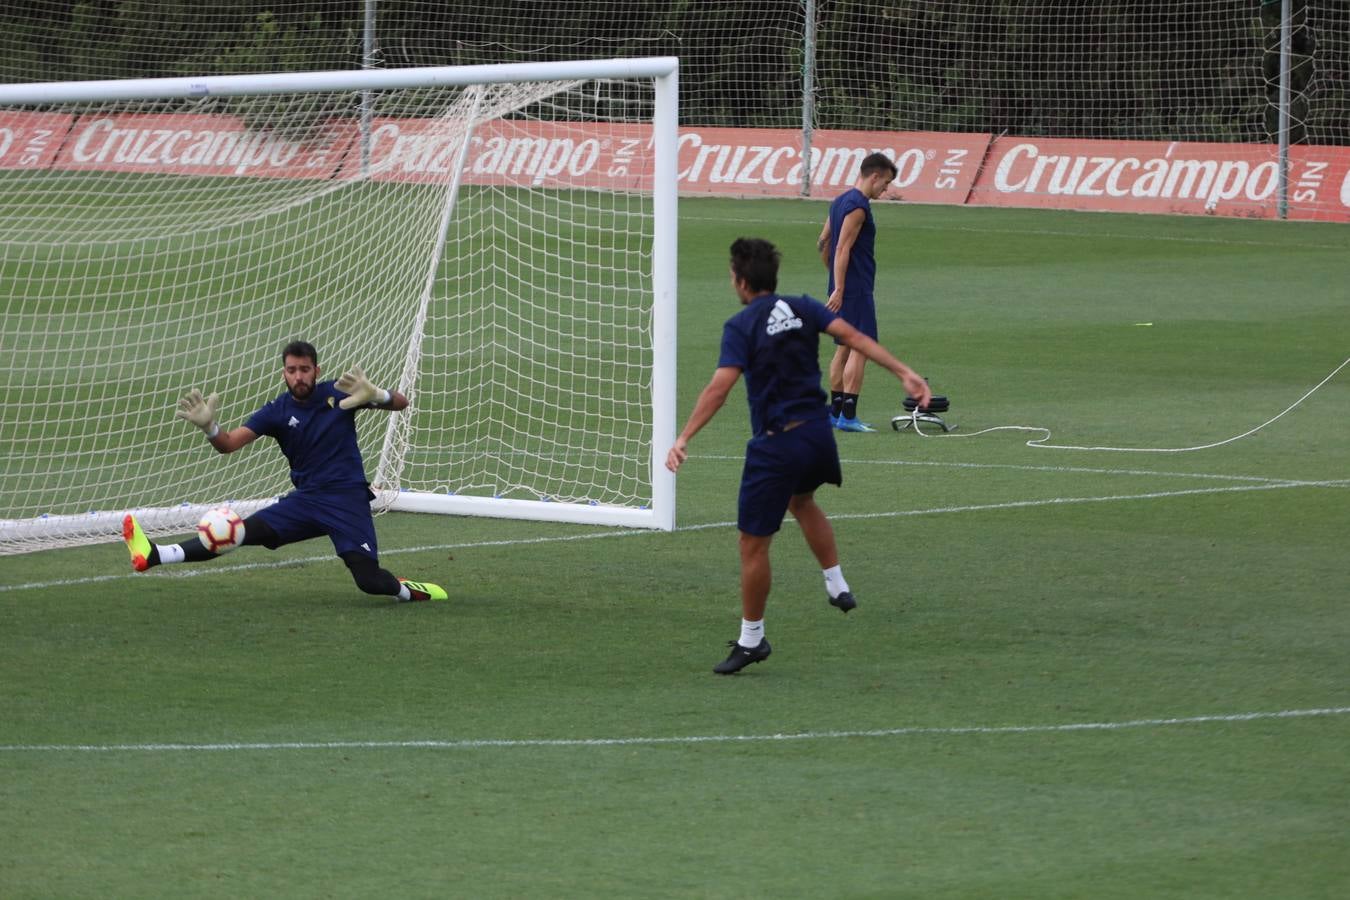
(781, 318)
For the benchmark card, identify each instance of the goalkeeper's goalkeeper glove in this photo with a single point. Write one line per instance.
(200, 411)
(360, 390)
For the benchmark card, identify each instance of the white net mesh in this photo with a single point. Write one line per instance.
(174, 244)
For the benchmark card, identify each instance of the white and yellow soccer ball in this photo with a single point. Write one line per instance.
(221, 530)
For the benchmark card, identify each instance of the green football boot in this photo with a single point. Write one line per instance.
(424, 590)
(138, 545)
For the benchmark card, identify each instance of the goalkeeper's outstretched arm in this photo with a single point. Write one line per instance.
(201, 411)
(361, 391)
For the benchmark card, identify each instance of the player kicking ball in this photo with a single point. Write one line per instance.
(774, 341)
(314, 424)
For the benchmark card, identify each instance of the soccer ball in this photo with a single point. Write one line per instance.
(221, 530)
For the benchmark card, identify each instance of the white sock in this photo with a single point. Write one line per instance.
(834, 581)
(751, 633)
(403, 592)
(170, 553)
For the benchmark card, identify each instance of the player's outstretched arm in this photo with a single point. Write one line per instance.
(915, 386)
(361, 391)
(712, 398)
(201, 411)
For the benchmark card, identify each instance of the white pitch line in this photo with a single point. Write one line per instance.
(174, 572)
(491, 743)
(1046, 232)
(1084, 470)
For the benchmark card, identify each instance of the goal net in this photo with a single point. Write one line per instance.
(498, 242)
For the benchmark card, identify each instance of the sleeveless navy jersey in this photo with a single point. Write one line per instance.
(774, 340)
(318, 438)
(860, 279)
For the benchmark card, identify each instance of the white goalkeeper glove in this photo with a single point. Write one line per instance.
(360, 390)
(200, 411)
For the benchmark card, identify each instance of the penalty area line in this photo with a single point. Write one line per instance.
(526, 743)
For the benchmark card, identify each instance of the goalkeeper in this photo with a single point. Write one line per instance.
(314, 424)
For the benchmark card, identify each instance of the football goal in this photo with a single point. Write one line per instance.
(498, 242)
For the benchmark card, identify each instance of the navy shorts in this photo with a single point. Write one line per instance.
(861, 313)
(781, 466)
(343, 515)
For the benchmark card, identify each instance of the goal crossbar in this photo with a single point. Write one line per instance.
(337, 80)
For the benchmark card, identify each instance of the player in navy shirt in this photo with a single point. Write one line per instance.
(774, 342)
(314, 424)
(847, 246)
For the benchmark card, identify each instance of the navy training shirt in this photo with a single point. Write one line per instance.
(861, 277)
(317, 437)
(774, 340)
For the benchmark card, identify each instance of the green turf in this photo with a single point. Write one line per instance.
(919, 747)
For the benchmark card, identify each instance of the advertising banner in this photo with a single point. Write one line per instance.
(521, 153)
(181, 144)
(1057, 173)
(933, 168)
(1162, 177)
(30, 140)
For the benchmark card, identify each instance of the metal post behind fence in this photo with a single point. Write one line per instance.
(808, 92)
(1286, 42)
(367, 62)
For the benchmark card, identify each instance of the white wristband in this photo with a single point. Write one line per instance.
(212, 431)
(381, 397)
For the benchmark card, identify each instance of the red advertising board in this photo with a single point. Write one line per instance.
(30, 140)
(1163, 177)
(182, 144)
(522, 153)
(933, 168)
(1059, 173)
(1319, 184)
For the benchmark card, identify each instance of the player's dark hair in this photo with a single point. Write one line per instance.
(755, 261)
(877, 162)
(302, 349)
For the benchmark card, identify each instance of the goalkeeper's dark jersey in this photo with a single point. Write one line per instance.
(318, 438)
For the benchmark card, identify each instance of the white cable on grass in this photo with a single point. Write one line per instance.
(1040, 442)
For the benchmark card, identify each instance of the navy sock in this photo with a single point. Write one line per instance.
(836, 403)
(849, 406)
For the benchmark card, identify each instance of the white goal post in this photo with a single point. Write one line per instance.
(497, 241)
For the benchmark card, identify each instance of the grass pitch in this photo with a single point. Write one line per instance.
(1072, 673)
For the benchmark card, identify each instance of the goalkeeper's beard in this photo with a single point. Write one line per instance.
(301, 390)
